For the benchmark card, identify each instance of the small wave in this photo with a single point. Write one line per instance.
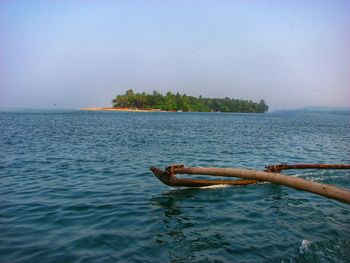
(204, 187)
(215, 186)
(324, 251)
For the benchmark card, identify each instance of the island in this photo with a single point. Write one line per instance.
(182, 102)
(156, 102)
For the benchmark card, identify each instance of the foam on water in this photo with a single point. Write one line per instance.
(216, 186)
(305, 244)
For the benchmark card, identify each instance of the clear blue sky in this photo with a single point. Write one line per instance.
(83, 53)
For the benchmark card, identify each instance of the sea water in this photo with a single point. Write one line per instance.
(75, 187)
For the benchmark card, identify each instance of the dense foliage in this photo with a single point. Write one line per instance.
(173, 102)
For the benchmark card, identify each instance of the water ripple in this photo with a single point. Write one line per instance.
(75, 187)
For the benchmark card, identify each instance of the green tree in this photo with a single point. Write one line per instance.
(173, 102)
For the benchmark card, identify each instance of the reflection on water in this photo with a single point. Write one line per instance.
(171, 219)
(178, 212)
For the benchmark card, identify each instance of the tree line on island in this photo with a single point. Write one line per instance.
(182, 102)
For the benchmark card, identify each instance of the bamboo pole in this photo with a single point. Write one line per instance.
(328, 191)
(284, 166)
(171, 180)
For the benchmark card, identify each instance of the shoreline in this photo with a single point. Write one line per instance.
(153, 110)
(122, 109)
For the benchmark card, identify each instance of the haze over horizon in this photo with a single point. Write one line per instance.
(74, 54)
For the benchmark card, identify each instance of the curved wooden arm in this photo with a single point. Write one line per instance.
(171, 180)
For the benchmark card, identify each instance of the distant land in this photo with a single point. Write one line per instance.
(320, 109)
(326, 109)
(132, 101)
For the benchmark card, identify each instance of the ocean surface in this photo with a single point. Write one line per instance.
(75, 186)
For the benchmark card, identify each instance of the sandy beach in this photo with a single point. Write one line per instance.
(122, 109)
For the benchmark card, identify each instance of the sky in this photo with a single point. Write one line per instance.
(74, 54)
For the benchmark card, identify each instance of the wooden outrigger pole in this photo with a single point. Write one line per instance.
(284, 166)
(170, 179)
(251, 176)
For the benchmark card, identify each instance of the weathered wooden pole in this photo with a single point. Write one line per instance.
(284, 166)
(276, 178)
(171, 180)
